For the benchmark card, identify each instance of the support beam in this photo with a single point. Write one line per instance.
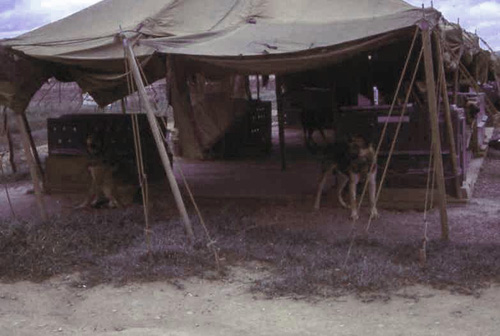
(160, 143)
(247, 87)
(447, 116)
(456, 78)
(434, 121)
(257, 80)
(281, 121)
(36, 157)
(6, 133)
(25, 139)
(123, 105)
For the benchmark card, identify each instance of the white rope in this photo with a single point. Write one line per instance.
(372, 167)
(211, 243)
(141, 175)
(396, 133)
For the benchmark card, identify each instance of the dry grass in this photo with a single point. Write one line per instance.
(303, 252)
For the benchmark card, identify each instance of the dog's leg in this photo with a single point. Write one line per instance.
(342, 180)
(353, 183)
(92, 195)
(108, 187)
(109, 192)
(326, 173)
(372, 189)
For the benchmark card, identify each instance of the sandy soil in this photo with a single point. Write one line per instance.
(197, 307)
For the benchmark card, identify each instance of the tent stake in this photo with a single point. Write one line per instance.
(281, 121)
(159, 141)
(447, 115)
(32, 165)
(433, 116)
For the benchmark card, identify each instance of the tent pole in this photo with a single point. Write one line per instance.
(281, 121)
(33, 148)
(247, 87)
(447, 115)
(456, 76)
(124, 107)
(257, 77)
(160, 143)
(25, 138)
(6, 133)
(433, 116)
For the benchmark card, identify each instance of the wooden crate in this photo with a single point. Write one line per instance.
(410, 160)
(67, 159)
(249, 135)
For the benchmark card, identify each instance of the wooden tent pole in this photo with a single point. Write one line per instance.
(257, 77)
(281, 120)
(25, 139)
(6, 133)
(124, 106)
(456, 77)
(160, 143)
(447, 115)
(436, 140)
(33, 147)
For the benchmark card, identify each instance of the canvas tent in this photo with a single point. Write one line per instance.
(214, 36)
(218, 38)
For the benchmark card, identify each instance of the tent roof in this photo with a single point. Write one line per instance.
(244, 35)
(215, 27)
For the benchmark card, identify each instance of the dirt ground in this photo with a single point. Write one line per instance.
(65, 305)
(197, 307)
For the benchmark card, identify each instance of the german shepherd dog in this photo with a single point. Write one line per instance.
(350, 161)
(102, 188)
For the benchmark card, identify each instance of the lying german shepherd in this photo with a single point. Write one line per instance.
(102, 189)
(351, 162)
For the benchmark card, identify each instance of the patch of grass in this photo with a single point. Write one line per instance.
(110, 247)
(303, 252)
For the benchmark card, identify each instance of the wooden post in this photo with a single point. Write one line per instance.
(281, 120)
(160, 143)
(257, 77)
(32, 164)
(33, 148)
(433, 116)
(124, 106)
(247, 87)
(6, 132)
(456, 78)
(447, 115)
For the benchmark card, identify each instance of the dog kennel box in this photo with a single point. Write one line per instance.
(410, 161)
(250, 133)
(67, 153)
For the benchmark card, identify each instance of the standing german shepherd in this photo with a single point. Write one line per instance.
(350, 161)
